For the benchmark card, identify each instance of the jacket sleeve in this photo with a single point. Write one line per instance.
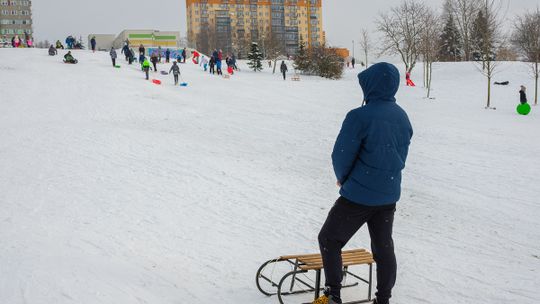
(347, 147)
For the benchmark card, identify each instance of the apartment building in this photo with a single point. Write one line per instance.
(233, 24)
(15, 18)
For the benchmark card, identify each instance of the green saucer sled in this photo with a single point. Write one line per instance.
(524, 109)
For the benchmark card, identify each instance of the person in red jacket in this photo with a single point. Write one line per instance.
(410, 83)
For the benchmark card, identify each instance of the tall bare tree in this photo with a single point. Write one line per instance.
(366, 45)
(273, 48)
(402, 29)
(527, 39)
(465, 13)
(430, 45)
(488, 39)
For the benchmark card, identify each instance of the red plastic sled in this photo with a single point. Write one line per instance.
(156, 81)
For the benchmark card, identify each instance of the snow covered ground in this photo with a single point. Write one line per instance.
(114, 190)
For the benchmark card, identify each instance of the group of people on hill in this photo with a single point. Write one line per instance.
(215, 64)
(17, 41)
(68, 57)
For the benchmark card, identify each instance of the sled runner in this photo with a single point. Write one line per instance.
(273, 281)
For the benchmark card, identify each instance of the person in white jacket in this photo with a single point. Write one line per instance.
(204, 63)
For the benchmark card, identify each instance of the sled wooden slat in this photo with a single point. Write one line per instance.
(317, 255)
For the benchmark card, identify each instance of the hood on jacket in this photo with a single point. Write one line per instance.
(380, 82)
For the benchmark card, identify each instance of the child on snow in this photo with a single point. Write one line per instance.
(114, 55)
(175, 69)
(523, 95)
(146, 67)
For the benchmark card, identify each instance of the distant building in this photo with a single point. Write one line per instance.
(15, 18)
(148, 38)
(343, 52)
(233, 24)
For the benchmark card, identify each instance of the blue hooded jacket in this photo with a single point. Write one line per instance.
(372, 147)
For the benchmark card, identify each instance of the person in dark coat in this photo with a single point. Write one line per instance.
(114, 55)
(184, 55)
(353, 62)
(93, 44)
(126, 51)
(167, 56)
(154, 59)
(175, 69)
(53, 51)
(368, 158)
(523, 95)
(142, 50)
(212, 64)
(284, 70)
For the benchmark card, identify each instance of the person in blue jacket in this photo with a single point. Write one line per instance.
(369, 155)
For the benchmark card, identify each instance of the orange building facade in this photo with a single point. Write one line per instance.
(231, 24)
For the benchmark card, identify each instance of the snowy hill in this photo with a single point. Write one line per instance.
(114, 190)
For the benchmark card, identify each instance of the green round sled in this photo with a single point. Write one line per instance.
(524, 109)
(117, 66)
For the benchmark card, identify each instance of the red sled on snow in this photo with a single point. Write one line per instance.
(156, 81)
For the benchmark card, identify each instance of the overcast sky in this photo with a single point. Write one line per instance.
(343, 19)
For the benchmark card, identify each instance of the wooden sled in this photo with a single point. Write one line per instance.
(297, 282)
(295, 78)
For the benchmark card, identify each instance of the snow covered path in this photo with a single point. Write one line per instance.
(115, 190)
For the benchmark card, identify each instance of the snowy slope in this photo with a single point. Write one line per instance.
(114, 190)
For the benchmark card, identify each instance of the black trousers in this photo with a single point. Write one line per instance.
(175, 79)
(284, 75)
(343, 221)
(146, 70)
(113, 61)
(155, 67)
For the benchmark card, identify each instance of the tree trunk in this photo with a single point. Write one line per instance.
(536, 85)
(275, 63)
(425, 73)
(366, 59)
(489, 93)
(430, 73)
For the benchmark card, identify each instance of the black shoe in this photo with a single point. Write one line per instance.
(380, 302)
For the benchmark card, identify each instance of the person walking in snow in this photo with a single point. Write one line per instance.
(93, 44)
(146, 67)
(368, 158)
(218, 67)
(167, 56)
(142, 50)
(523, 95)
(113, 56)
(53, 51)
(212, 65)
(184, 55)
(353, 62)
(125, 51)
(154, 60)
(284, 70)
(159, 54)
(175, 69)
(131, 56)
(233, 61)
